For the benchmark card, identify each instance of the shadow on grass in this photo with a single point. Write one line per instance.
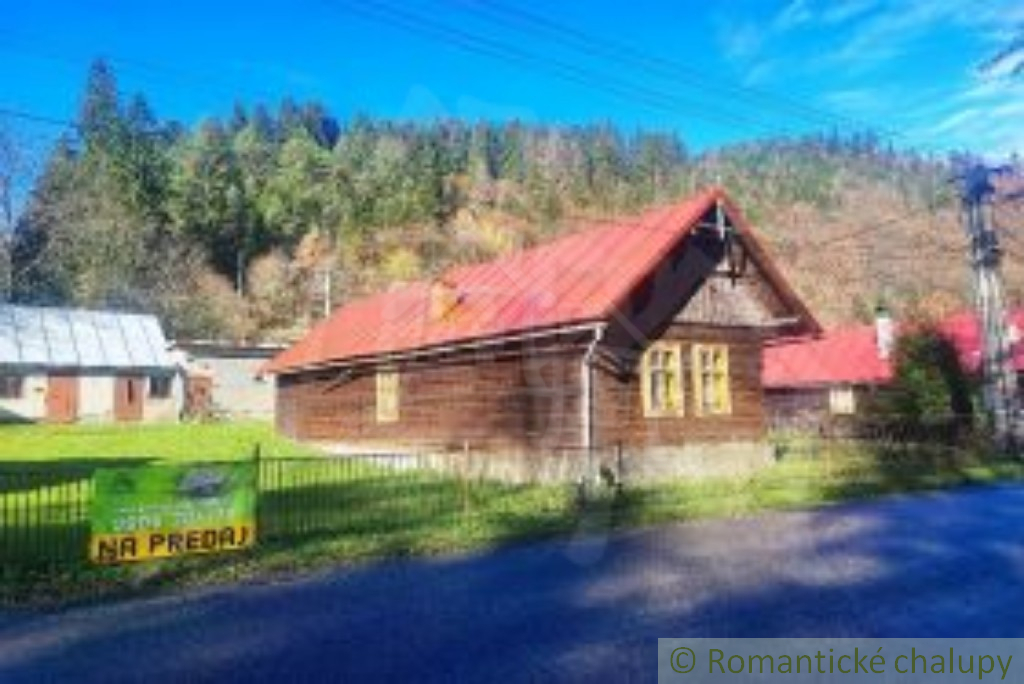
(313, 513)
(27, 476)
(309, 516)
(44, 510)
(414, 509)
(855, 471)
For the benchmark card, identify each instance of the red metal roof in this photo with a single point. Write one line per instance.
(842, 356)
(850, 355)
(964, 331)
(576, 279)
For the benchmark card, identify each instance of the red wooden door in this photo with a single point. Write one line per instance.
(62, 398)
(128, 398)
(198, 396)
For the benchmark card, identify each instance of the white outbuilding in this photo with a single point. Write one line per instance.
(63, 365)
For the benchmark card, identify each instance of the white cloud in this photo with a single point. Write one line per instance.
(841, 12)
(855, 100)
(761, 72)
(740, 41)
(983, 115)
(794, 14)
(1009, 64)
(864, 59)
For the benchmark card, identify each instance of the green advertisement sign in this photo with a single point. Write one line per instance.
(164, 511)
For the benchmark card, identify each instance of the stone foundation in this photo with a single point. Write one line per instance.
(552, 466)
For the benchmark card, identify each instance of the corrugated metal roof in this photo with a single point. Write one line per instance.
(77, 338)
(841, 356)
(849, 355)
(576, 279)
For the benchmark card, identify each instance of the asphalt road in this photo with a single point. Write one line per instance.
(585, 609)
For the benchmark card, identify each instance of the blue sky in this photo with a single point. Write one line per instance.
(749, 68)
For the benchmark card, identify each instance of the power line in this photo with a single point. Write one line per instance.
(651, 64)
(593, 45)
(629, 91)
(872, 227)
(33, 117)
(153, 70)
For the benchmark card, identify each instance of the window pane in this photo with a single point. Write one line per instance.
(10, 386)
(657, 390)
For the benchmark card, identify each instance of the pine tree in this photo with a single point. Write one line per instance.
(99, 120)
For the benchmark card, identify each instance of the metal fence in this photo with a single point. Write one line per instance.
(376, 500)
(44, 510)
(44, 515)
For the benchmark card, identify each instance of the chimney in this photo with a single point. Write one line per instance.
(444, 297)
(884, 332)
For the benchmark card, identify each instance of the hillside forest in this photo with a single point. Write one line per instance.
(252, 225)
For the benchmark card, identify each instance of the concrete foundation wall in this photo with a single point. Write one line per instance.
(636, 467)
(695, 461)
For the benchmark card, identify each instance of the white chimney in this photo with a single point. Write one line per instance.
(884, 332)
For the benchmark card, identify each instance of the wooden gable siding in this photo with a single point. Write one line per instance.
(746, 301)
(690, 299)
(619, 406)
(526, 397)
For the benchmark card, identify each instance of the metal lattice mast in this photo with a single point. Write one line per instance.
(999, 391)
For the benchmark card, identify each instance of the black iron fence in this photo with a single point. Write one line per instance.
(44, 508)
(386, 503)
(44, 514)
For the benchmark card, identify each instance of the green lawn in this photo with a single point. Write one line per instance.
(313, 510)
(319, 511)
(159, 442)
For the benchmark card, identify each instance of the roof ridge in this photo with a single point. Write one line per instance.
(574, 279)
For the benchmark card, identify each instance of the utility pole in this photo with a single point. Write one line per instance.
(999, 379)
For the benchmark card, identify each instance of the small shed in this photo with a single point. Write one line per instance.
(62, 365)
(223, 378)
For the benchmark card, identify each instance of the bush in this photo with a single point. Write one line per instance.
(930, 387)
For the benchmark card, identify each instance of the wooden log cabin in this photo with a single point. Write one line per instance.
(642, 335)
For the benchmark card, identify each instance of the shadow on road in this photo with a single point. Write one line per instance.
(588, 608)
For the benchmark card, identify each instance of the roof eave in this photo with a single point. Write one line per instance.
(436, 349)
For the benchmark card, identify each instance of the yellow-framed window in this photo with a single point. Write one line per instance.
(712, 391)
(387, 395)
(661, 380)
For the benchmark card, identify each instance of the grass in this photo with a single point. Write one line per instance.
(157, 442)
(313, 511)
(321, 512)
(839, 472)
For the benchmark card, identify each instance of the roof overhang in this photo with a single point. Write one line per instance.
(437, 350)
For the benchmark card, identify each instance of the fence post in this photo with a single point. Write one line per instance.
(619, 475)
(258, 484)
(464, 480)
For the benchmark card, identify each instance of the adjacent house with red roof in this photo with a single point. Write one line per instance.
(823, 381)
(643, 333)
